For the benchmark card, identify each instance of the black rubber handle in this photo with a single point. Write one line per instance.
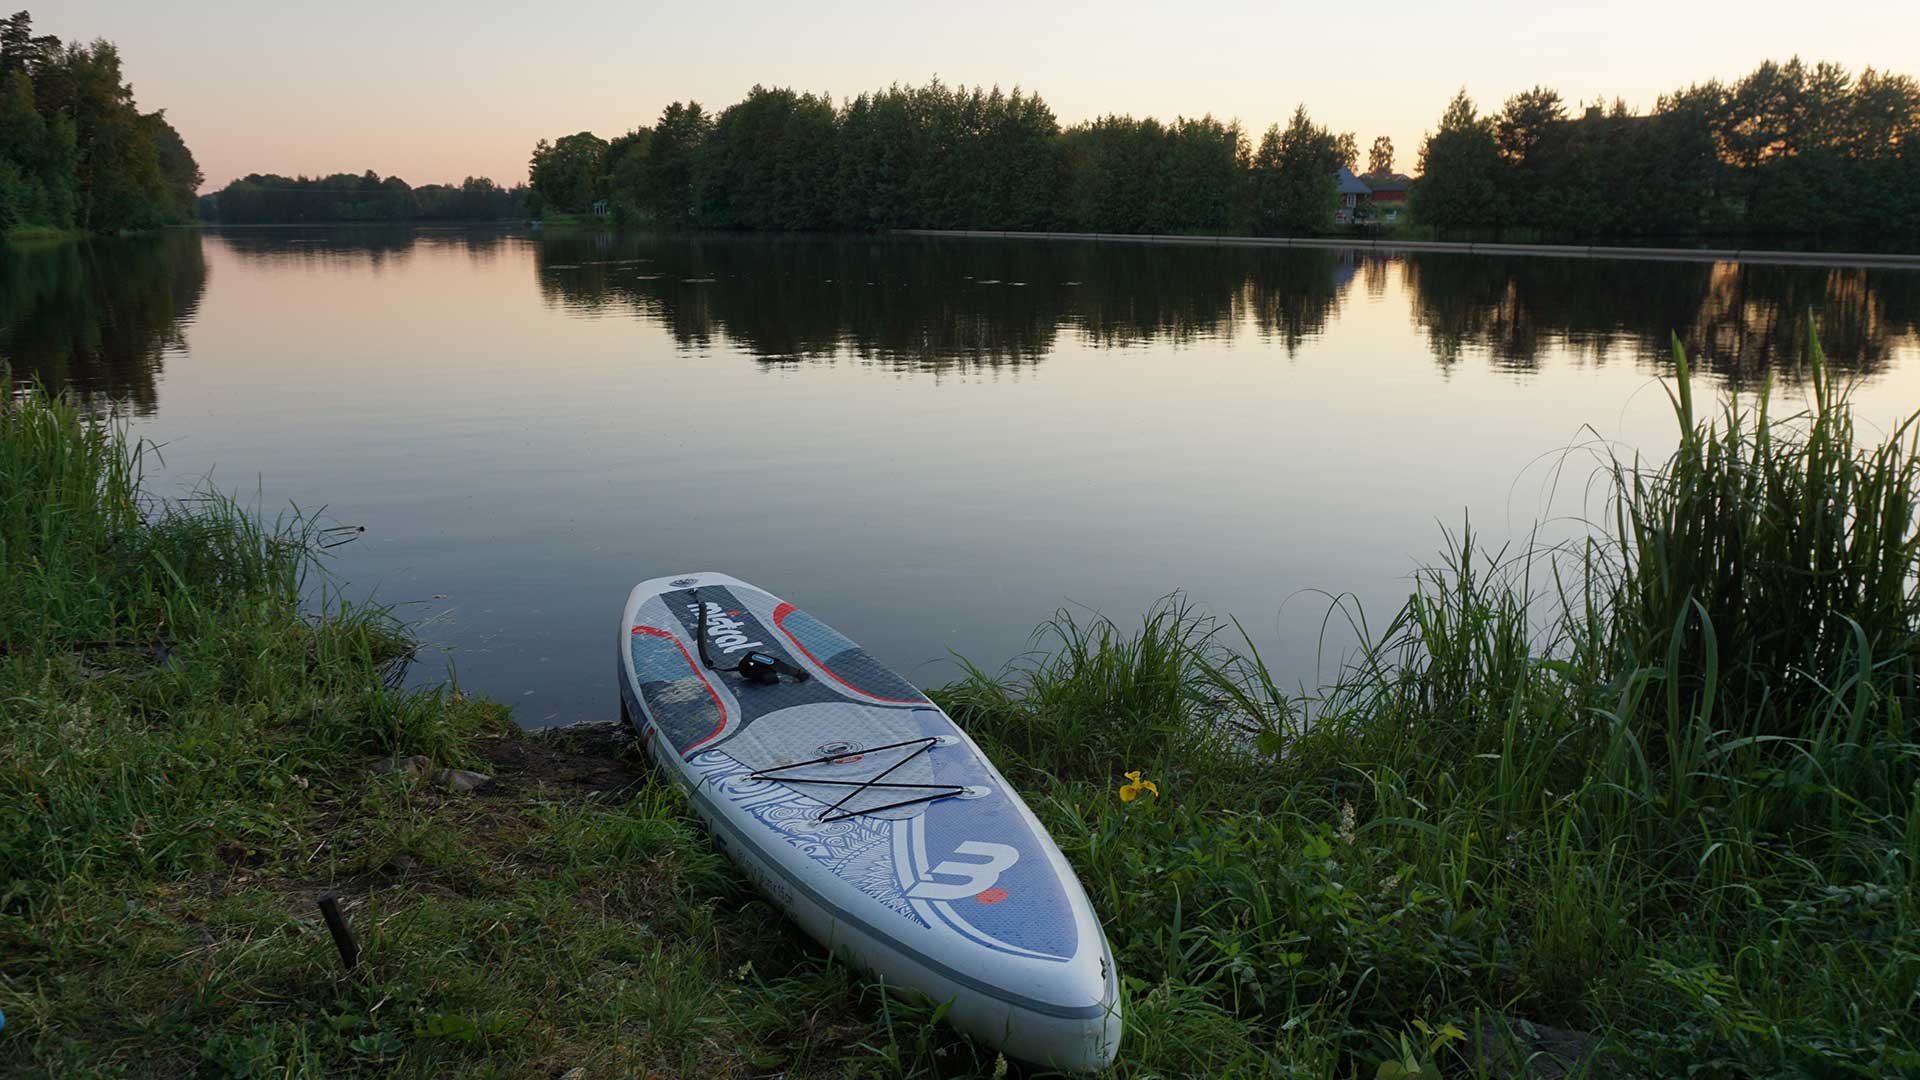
(337, 926)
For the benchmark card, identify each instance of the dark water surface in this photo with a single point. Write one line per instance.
(930, 443)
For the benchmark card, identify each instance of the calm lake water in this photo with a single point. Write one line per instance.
(933, 444)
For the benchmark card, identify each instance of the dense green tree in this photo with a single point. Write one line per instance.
(669, 173)
(927, 156)
(1531, 132)
(944, 188)
(1675, 186)
(1789, 148)
(626, 171)
(987, 159)
(1460, 170)
(1294, 186)
(999, 160)
(1380, 157)
(1882, 114)
(1203, 190)
(178, 170)
(1829, 91)
(39, 158)
(474, 199)
(880, 152)
(1104, 161)
(1127, 175)
(118, 177)
(1766, 114)
(74, 147)
(1349, 150)
(1025, 148)
(12, 193)
(343, 197)
(569, 173)
(1527, 121)
(20, 50)
(768, 163)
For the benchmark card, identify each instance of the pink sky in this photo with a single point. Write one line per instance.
(434, 94)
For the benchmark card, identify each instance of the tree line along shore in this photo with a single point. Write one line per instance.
(77, 155)
(76, 152)
(1644, 806)
(1789, 150)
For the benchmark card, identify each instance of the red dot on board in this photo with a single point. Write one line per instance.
(991, 896)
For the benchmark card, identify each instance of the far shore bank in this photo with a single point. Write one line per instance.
(1749, 256)
(221, 226)
(1564, 251)
(26, 234)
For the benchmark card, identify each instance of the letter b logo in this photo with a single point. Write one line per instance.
(979, 876)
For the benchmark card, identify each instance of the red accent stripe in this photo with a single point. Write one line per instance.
(780, 620)
(654, 631)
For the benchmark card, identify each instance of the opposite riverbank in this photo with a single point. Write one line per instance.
(32, 234)
(1386, 244)
(1660, 814)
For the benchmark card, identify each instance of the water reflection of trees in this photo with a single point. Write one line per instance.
(374, 246)
(934, 305)
(1739, 321)
(98, 317)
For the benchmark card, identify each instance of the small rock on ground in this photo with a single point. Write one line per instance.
(1507, 1046)
(417, 765)
(461, 779)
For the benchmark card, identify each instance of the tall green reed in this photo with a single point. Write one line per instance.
(1664, 781)
(1766, 555)
(92, 561)
(68, 493)
(150, 654)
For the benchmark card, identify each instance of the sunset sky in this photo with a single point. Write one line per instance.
(441, 93)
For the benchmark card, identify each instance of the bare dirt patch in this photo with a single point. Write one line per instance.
(584, 758)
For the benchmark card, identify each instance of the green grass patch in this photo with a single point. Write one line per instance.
(574, 221)
(41, 233)
(1650, 803)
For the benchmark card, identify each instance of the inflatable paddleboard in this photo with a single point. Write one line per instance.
(865, 813)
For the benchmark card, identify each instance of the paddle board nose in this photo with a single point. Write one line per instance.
(1081, 1033)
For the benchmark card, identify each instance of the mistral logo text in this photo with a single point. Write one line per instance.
(723, 630)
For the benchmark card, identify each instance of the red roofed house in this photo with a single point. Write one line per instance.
(1388, 187)
(1358, 193)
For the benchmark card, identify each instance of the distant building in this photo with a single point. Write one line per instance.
(1389, 187)
(1353, 192)
(1358, 193)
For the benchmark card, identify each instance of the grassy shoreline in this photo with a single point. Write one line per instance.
(28, 234)
(1657, 812)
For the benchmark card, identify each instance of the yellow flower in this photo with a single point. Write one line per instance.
(1131, 791)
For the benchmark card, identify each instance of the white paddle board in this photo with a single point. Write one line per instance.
(865, 813)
